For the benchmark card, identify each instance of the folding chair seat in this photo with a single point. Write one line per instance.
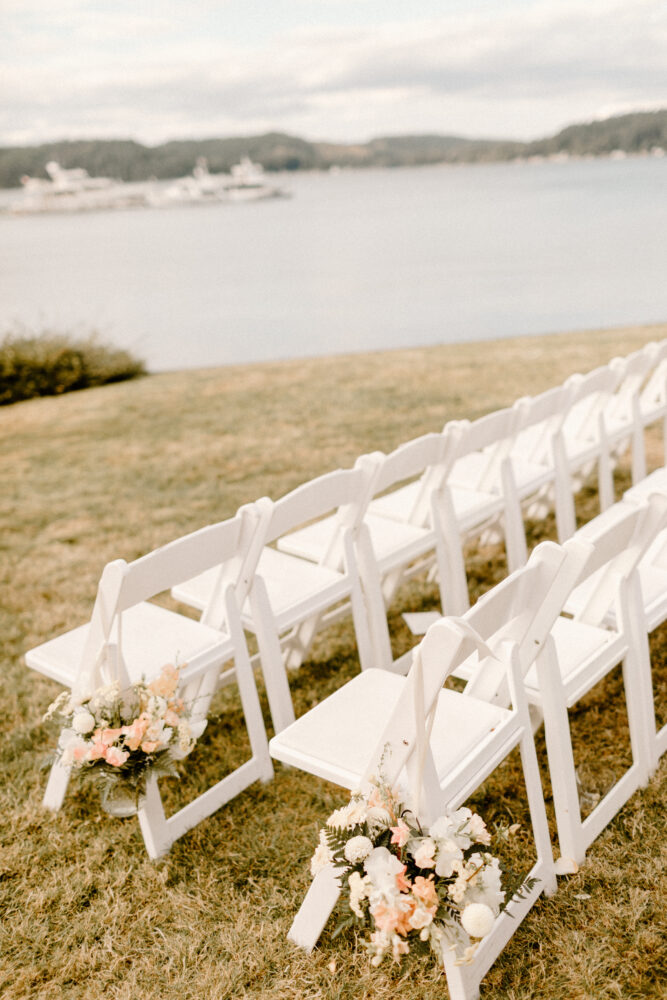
(583, 437)
(129, 638)
(438, 745)
(292, 598)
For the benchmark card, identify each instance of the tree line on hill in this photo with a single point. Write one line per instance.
(126, 160)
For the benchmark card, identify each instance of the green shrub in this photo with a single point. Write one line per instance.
(48, 364)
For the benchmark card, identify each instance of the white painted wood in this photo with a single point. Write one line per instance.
(607, 628)
(437, 745)
(129, 638)
(585, 442)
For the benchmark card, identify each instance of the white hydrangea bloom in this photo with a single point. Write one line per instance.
(382, 867)
(448, 853)
(484, 886)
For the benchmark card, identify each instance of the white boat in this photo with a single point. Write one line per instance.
(199, 186)
(245, 182)
(74, 190)
(248, 183)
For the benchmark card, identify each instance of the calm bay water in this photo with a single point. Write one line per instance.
(360, 260)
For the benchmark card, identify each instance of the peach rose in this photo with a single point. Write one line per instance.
(424, 889)
(115, 756)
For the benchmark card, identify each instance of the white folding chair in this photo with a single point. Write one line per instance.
(477, 497)
(292, 598)
(129, 638)
(439, 745)
(607, 629)
(389, 551)
(583, 440)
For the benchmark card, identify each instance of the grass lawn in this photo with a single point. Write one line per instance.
(118, 470)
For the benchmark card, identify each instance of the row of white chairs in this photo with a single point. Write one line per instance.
(544, 637)
(263, 573)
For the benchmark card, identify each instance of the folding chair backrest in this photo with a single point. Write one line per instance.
(492, 437)
(429, 456)
(344, 491)
(522, 610)
(532, 597)
(589, 395)
(618, 549)
(123, 585)
(634, 371)
(540, 417)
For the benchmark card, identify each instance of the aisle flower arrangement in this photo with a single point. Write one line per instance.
(117, 738)
(439, 887)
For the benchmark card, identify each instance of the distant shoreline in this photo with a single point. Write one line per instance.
(639, 133)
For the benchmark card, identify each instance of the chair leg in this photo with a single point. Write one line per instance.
(56, 786)
(561, 764)
(153, 822)
(273, 668)
(538, 816)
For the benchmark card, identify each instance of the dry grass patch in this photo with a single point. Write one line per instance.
(116, 471)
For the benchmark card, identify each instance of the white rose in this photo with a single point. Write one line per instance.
(477, 919)
(83, 722)
(357, 849)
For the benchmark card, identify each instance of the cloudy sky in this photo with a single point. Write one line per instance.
(323, 69)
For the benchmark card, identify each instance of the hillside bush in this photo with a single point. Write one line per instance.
(49, 363)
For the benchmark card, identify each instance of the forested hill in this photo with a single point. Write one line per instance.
(641, 132)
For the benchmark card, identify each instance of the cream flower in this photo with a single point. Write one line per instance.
(484, 887)
(358, 888)
(423, 855)
(351, 815)
(477, 919)
(478, 830)
(115, 756)
(322, 855)
(357, 849)
(83, 722)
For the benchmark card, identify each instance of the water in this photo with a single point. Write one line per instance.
(360, 260)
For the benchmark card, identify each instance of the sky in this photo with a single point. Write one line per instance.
(343, 70)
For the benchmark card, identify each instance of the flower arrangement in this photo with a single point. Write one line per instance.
(118, 737)
(439, 886)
